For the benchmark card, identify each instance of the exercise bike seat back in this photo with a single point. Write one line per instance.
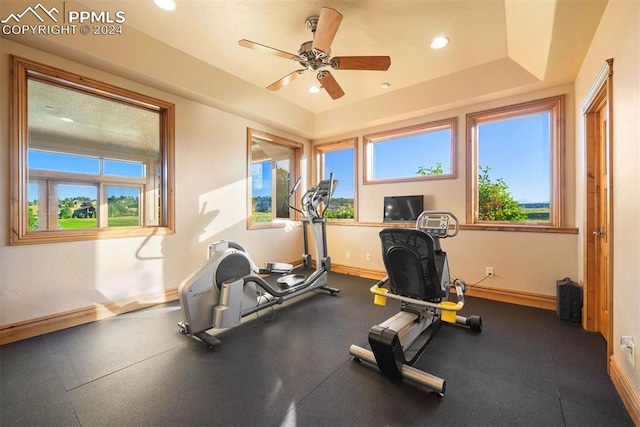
(409, 258)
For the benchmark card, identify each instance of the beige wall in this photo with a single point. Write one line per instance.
(40, 280)
(522, 261)
(618, 37)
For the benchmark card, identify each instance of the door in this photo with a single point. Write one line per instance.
(602, 230)
(598, 226)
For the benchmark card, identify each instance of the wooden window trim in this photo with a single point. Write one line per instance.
(556, 105)
(370, 139)
(295, 172)
(318, 151)
(22, 70)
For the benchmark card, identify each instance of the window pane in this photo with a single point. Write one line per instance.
(124, 206)
(407, 156)
(341, 164)
(87, 139)
(123, 168)
(59, 162)
(33, 203)
(272, 167)
(283, 178)
(261, 191)
(514, 169)
(77, 206)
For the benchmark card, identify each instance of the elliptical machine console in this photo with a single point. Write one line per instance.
(229, 286)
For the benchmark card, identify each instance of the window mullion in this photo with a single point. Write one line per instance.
(51, 200)
(103, 206)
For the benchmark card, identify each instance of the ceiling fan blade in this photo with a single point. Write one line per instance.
(330, 84)
(377, 63)
(328, 24)
(257, 46)
(285, 80)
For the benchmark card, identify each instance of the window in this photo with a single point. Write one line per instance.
(425, 151)
(339, 158)
(90, 160)
(515, 163)
(273, 169)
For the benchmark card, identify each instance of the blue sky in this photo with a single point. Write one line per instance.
(341, 164)
(261, 179)
(403, 157)
(513, 150)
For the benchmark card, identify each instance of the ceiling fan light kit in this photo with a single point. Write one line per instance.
(315, 55)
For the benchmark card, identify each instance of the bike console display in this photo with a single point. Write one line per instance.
(434, 224)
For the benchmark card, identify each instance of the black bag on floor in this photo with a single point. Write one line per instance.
(569, 300)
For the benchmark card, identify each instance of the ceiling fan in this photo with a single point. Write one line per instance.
(315, 55)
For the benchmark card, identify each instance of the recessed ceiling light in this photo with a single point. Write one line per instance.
(385, 85)
(439, 42)
(314, 89)
(66, 119)
(165, 4)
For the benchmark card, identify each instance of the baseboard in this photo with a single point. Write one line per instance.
(43, 325)
(358, 272)
(514, 297)
(628, 393)
(503, 295)
(55, 322)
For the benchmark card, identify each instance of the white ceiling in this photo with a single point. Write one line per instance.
(545, 40)
(498, 48)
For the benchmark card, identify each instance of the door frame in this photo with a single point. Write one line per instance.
(600, 91)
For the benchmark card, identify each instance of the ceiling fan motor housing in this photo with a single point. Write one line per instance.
(313, 59)
(312, 23)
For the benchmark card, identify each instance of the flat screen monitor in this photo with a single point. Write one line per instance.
(402, 208)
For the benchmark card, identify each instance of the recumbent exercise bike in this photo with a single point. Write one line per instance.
(229, 286)
(417, 276)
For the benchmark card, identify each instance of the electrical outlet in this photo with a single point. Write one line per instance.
(368, 257)
(348, 254)
(489, 271)
(628, 346)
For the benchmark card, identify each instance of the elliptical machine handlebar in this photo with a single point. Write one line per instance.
(332, 184)
(315, 194)
(291, 193)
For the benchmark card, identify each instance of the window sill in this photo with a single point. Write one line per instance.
(520, 228)
(272, 224)
(477, 227)
(56, 236)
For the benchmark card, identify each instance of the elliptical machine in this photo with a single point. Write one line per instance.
(418, 277)
(228, 286)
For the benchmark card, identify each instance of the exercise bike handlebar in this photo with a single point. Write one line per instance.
(382, 293)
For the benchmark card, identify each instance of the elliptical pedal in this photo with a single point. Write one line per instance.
(291, 280)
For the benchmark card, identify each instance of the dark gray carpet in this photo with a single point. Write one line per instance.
(525, 368)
